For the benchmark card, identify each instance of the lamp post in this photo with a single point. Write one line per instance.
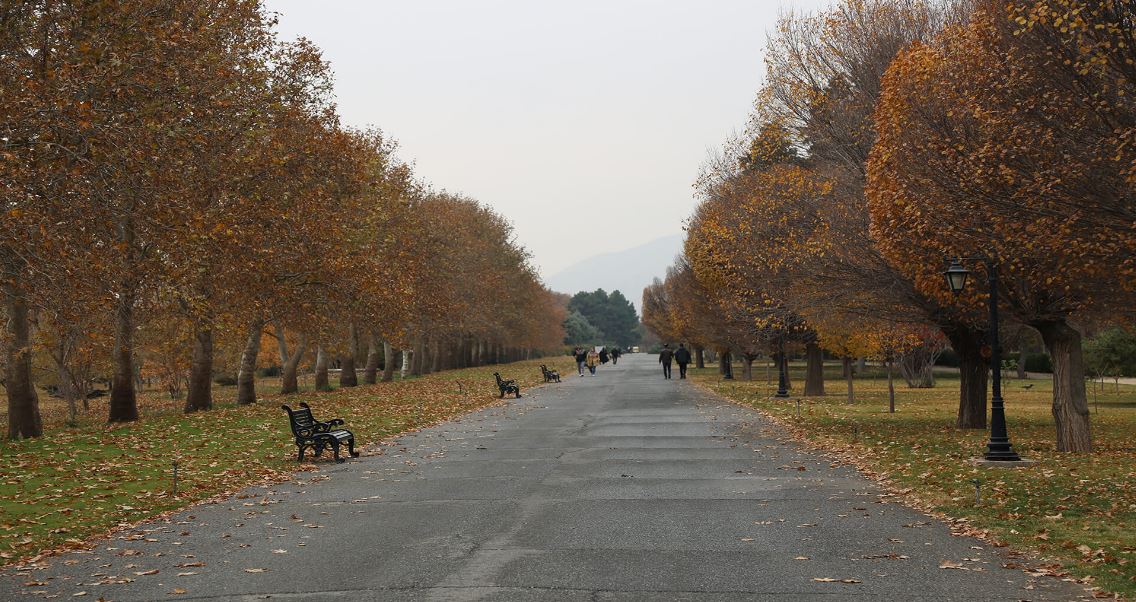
(998, 448)
(782, 366)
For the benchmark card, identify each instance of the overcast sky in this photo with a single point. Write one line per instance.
(583, 122)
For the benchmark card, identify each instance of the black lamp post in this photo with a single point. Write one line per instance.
(998, 448)
(782, 366)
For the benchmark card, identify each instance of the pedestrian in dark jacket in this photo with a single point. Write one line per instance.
(615, 353)
(665, 358)
(682, 356)
(603, 355)
(581, 357)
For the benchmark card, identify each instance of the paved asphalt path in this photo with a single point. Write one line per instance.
(621, 486)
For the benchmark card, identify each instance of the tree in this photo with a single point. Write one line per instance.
(1010, 136)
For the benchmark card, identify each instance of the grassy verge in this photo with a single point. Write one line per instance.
(1077, 513)
(76, 483)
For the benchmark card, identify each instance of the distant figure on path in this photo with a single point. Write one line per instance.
(615, 353)
(682, 356)
(581, 357)
(603, 355)
(592, 359)
(665, 358)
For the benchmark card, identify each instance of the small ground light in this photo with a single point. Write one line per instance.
(977, 492)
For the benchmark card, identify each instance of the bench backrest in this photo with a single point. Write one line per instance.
(302, 422)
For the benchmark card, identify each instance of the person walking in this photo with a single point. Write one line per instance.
(682, 356)
(615, 353)
(603, 355)
(592, 359)
(665, 358)
(581, 357)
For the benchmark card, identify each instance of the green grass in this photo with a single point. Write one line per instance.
(77, 483)
(1075, 513)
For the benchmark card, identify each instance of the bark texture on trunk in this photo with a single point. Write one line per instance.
(347, 376)
(973, 368)
(322, 383)
(891, 389)
(199, 395)
(123, 402)
(814, 371)
(24, 419)
(747, 367)
(699, 357)
(371, 370)
(1022, 374)
(288, 380)
(417, 359)
(848, 377)
(1070, 403)
(389, 359)
(246, 375)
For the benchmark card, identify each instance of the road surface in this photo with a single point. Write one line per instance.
(621, 486)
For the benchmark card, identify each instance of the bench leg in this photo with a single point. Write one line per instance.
(335, 448)
(351, 448)
(317, 449)
(301, 454)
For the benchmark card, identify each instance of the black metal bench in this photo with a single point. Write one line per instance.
(507, 385)
(550, 376)
(318, 435)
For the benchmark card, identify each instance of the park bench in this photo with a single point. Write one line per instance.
(318, 435)
(549, 375)
(507, 385)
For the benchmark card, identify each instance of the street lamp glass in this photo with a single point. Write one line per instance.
(956, 276)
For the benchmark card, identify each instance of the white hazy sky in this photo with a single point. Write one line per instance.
(583, 122)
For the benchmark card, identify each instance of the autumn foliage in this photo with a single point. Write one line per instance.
(892, 135)
(178, 191)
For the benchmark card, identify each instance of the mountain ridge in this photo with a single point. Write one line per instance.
(628, 271)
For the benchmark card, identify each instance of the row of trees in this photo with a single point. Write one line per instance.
(176, 182)
(600, 318)
(891, 135)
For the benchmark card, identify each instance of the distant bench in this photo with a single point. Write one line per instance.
(550, 376)
(507, 385)
(318, 435)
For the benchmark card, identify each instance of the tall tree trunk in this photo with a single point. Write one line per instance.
(347, 376)
(281, 344)
(699, 357)
(967, 344)
(1070, 403)
(322, 383)
(1022, 374)
(246, 375)
(788, 380)
(814, 371)
(891, 389)
(406, 357)
(418, 359)
(435, 357)
(123, 402)
(478, 351)
(388, 362)
(747, 366)
(200, 391)
(23, 403)
(371, 371)
(848, 377)
(288, 380)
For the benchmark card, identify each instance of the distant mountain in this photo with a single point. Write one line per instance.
(628, 271)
